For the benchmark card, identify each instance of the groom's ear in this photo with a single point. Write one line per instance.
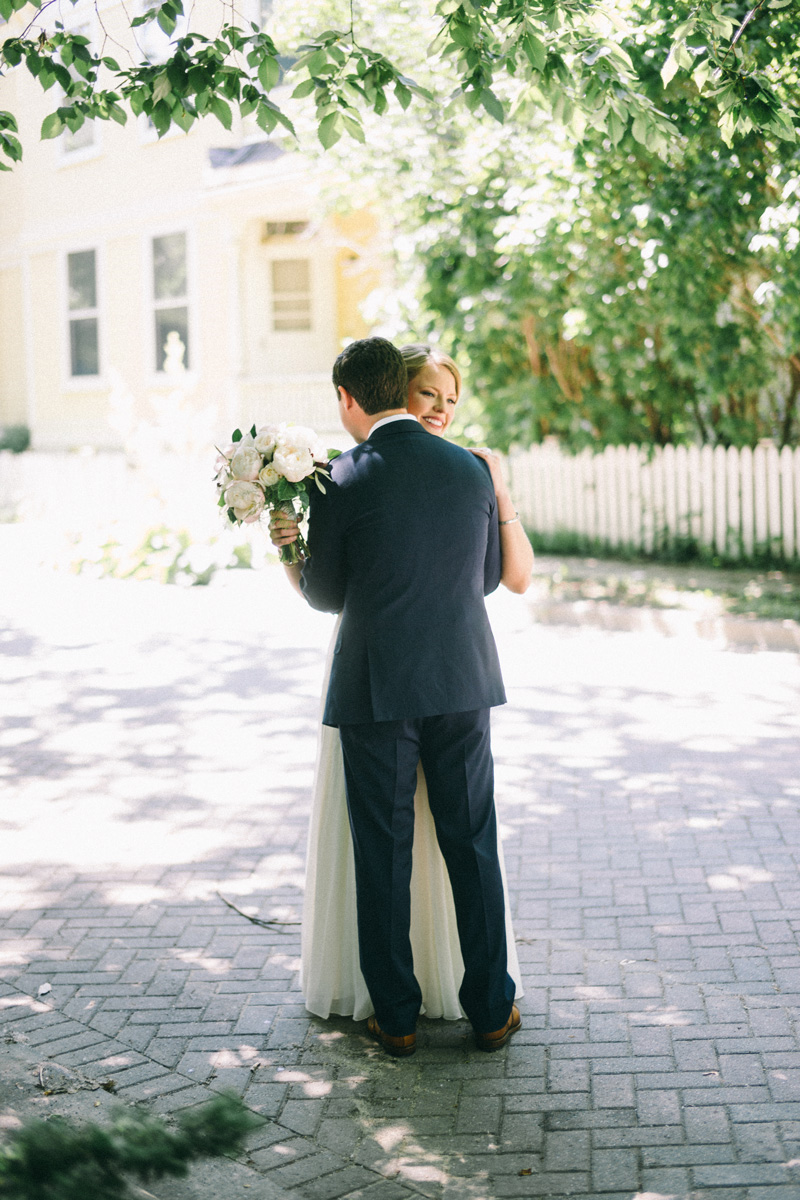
(347, 399)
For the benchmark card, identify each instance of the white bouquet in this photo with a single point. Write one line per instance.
(267, 469)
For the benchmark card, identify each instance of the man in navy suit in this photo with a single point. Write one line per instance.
(405, 544)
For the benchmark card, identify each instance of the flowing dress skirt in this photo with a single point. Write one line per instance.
(330, 974)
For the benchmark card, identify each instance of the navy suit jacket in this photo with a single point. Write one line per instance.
(405, 544)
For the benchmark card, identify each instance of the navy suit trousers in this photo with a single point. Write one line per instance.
(380, 765)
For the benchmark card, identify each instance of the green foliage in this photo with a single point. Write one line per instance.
(165, 556)
(603, 294)
(57, 1160)
(570, 58)
(708, 43)
(15, 438)
(344, 77)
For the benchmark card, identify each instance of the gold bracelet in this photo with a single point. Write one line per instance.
(511, 520)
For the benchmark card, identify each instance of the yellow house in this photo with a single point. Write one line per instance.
(123, 257)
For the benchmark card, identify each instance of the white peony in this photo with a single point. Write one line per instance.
(246, 463)
(265, 439)
(268, 476)
(294, 465)
(246, 500)
(296, 438)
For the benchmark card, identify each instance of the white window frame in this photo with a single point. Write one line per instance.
(82, 383)
(65, 157)
(160, 379)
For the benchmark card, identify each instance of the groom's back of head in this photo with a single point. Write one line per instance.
(373, 371)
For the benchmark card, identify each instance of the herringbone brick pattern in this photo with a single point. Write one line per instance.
(157, 756)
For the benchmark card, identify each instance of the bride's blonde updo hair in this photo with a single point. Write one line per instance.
(418, 354)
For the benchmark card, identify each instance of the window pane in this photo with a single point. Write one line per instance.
(290, 275)
(175, 321)
(81, 138)
(157, 46)
(82, 280)
(291, 324)
(84, 356)
(169, 266)
(291, 295)
(299, 304)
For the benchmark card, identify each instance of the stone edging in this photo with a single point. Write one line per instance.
(740, 633)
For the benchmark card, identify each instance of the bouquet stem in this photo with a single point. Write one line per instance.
(297, 550)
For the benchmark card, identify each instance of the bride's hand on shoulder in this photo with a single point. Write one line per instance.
(493, 462)
(283, 529)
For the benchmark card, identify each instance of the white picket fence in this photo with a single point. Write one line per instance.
(729, 502)
(734, 503)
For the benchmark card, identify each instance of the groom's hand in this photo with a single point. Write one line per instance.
(283, 530)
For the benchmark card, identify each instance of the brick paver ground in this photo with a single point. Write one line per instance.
(157, 755)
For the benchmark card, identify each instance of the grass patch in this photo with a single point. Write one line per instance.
(674, 550)
(643, 583)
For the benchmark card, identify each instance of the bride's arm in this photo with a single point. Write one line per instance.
(515, 548)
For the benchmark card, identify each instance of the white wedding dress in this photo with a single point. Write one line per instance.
(330, 974)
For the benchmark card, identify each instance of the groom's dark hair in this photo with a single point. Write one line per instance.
(374, 372)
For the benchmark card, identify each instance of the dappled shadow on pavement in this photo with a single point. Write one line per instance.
(157, 760)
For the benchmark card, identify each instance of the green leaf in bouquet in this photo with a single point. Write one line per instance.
(236, 436)
(231, 516)
(333, 454)
(221, 501)
(253, 431)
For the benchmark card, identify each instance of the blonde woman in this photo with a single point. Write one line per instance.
(330, 974)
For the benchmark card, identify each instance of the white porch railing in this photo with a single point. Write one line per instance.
(729, 502)
(302, 399)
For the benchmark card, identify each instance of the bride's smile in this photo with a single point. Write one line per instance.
(432, 397)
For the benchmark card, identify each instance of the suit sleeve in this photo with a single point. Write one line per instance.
(493, 563)
(323, 578)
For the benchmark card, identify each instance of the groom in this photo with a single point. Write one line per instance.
(405, 544)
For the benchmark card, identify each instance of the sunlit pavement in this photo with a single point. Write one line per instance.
(158, 749)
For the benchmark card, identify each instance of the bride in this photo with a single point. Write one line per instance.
(330, 975)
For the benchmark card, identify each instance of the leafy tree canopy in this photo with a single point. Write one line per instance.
(590, 287)
(563, 57)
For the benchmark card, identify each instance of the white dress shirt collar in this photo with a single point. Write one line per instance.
(388, 420)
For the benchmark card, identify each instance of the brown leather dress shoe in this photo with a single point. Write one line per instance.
(399, 1047)
(494, 1041)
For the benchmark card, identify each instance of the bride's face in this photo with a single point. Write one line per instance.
(432, 397)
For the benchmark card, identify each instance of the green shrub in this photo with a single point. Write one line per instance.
(165, 555)
(58, 1160)
(15, 438)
